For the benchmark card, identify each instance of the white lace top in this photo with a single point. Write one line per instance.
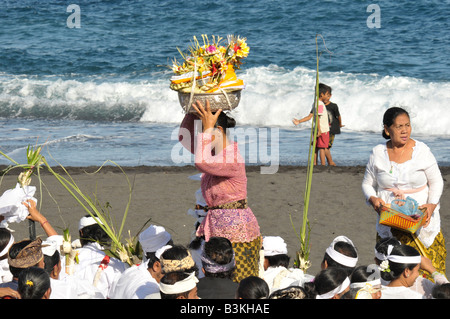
(421, 170)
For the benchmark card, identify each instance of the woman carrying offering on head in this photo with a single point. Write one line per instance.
(224, 187)
(405, 167)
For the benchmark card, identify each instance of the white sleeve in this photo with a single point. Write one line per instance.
(369, 183)
(434, 177)
(435, 184)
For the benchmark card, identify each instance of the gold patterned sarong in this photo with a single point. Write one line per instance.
(246, 256)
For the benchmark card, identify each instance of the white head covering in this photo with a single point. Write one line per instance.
(153, 238)
(8, 246)
(380, 256)
(49, 247)
(160, 251)
(338, 257)
(198, 214)
(88, 221)
(402, 259)
(274, 245)
(371, 283)
(180, 286)
(335, 291)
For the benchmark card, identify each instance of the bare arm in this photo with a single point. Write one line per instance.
(305, 119)
(38, 217)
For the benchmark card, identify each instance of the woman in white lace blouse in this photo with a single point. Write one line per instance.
(406, 167)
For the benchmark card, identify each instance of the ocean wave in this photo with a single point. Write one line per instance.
(272, 97)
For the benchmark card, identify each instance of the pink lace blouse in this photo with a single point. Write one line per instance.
(223, 181)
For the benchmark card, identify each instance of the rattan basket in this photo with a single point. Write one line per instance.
(400, 221)
(217, 100)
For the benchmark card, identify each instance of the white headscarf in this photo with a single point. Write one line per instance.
(338, 257)
(88, 221)
(335, 291)
(180, 286)
(274, 245)
(153, 238)
(402, 259)
(8, 246)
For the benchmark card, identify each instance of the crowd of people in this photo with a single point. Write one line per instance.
(36, 269)
(229, 258)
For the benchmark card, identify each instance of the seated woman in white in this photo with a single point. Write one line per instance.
(277, 273)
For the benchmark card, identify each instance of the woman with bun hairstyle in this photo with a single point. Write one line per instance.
(401, 269)
(224, 187)
(330, 283)
(405, 167)
(34, 283)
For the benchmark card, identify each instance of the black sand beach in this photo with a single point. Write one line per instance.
(164, 195)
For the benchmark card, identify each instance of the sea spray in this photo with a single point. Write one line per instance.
(273, 96)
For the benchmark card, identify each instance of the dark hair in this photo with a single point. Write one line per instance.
(396, 269)
(15, 249)
(33, 283)
(441, 291)
(323, 89)
(329, 279)
(363, 274)
(382, 245)
(5, 236)
(151, 255)
(345, 249)
(220, 250)
(51, 261)
(225, 122)
(389, 117)
(252, 287)
(291, 292)
(94, 233)
(196, 243)
(278, 260)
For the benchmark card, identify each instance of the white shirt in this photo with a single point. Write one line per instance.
(196, 255)
(62, 290)
(400, 293)
(135, 283)
(84, 289)
(90, 257)
(5, 274)
(422, 169)
(280, 277)
(323, 116)
(421, 286)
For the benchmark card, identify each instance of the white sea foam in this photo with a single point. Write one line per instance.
(272, 97)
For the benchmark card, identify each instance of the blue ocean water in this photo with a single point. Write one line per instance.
(90, 78)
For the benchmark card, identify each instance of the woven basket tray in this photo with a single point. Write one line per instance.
(217, 100)
(395, 219)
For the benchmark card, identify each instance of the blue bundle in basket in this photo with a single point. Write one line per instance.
(408, 206)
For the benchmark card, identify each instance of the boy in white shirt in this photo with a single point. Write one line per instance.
(323, 126)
